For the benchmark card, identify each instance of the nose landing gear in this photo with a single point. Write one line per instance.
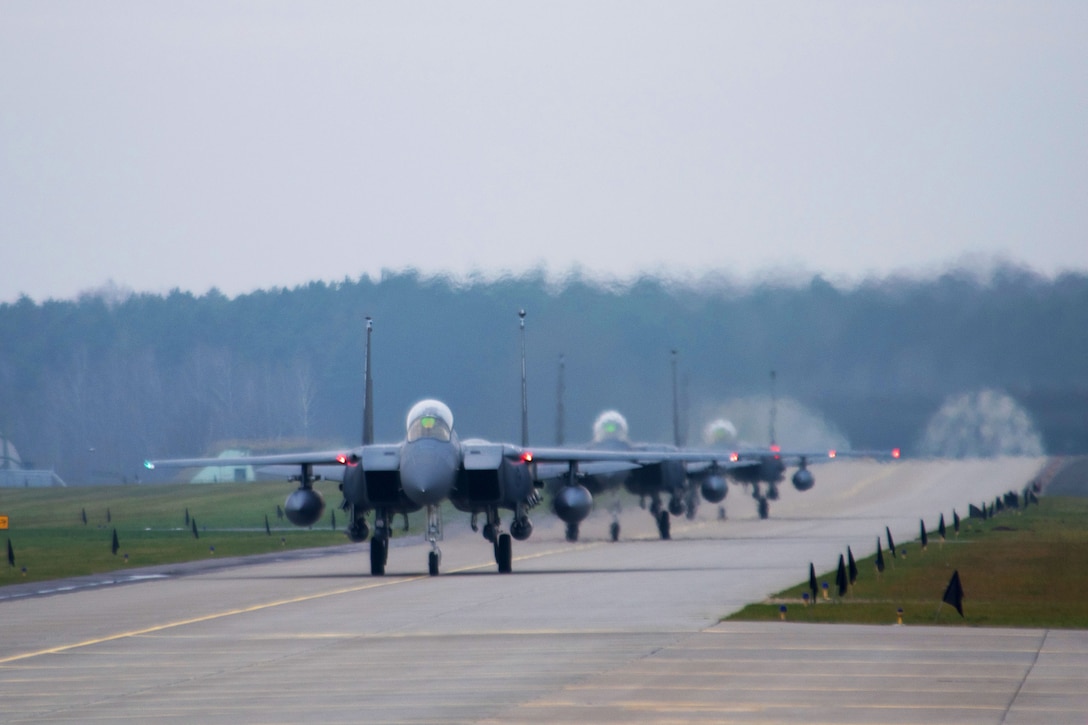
(434, 534)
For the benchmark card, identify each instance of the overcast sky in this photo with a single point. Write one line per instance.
(248, 145)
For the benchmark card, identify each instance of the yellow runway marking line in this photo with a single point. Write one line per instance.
(205, 618)
(255, 608)
(865, 482)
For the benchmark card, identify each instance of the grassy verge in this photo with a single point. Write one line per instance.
(1021, 568)
(50, 540)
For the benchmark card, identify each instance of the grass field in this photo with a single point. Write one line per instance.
(1024, 568)
(48, 536)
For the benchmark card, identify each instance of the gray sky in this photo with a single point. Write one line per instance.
(257, 144)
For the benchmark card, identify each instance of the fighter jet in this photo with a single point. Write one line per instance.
(432, 465)
(665, 477)
(685, 475)
(653, 481)
(763, 469)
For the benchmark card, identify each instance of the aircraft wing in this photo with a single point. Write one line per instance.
(636, 456)
(796, 457)
(341, 456)
(547, 470)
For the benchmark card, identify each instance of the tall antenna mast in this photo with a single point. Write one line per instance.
(368, 390)
(675, 405)
(524, 387)
(560, 414)
(774, 408)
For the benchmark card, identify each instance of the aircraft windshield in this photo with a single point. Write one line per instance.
(610, 425)
(430, 419)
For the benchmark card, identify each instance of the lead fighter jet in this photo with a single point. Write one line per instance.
(431, 465)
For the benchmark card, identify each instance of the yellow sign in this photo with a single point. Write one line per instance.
(3, 522)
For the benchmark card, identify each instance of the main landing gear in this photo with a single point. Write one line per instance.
(763, 506)
(614, 528)
(379, 544)
(661, 517)
(663, 524)
(500, 541)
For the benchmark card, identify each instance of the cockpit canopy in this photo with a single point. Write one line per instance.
(430, 419)
(720, 432)
(610, 426)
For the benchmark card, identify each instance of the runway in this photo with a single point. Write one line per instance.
(587, 632)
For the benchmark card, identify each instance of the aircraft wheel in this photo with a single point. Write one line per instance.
(505, 554)
(614, 530)
(432, 563)
(764, 508)
(663, 524)
(572, 532)
(378, 554)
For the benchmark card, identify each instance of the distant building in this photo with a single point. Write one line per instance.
(226, 474)
(14, 475)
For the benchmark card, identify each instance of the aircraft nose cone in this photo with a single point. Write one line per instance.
(428, 470)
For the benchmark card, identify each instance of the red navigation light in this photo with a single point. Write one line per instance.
(831, 453)
(775, 448)
(527, 456)
(734, 457)
(342, 459)
(895, 453)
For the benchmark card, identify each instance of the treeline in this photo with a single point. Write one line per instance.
(91, 387)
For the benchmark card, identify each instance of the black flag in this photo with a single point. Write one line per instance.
(975, 512)
(840, 576)
(109, 518)
(116, 545)
(83, 515)
(333, 516)
(925, 539)
(879, 556)
(267, 528)
(940, 527)
(851, 566)
(811, 580)
(953, 594)
(279, 512)
(196, 534)
(891, 544)
(186, 515)
(11, 554)
(955, 521)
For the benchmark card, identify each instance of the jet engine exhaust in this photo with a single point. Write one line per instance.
(304, 507)
(573, 503)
